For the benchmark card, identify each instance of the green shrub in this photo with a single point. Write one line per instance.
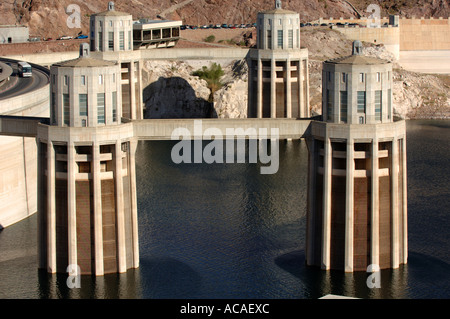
(212, 76)
(210, 38)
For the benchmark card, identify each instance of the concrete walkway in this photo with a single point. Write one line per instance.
(426, 61)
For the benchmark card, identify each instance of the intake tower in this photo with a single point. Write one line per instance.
(357, 212)
(87, 206)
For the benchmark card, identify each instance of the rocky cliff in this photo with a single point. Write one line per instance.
(171, 91)
(48, 18)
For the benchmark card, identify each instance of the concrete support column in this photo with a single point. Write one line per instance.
(300, 92)
(132, 84)
(375, 218)
(259, 94)
(250, 102)
(288, 89)
(394, 204)
(51, 209)
(405, 205)
(326, 226)
(139, 99)
(310, 244)
(307, 89)
(71, 203)
(134, 217)
(273, 89)
(98, 218)
(349, 207)
(120, 218)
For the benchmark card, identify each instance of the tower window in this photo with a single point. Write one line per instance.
(329, 105)
(291, 39)
(361, 77)
(122, 40)
(53, 105)
(280, 39)
(101, 108)
(378, 76)
(83, 80)
(389, 103)
(111, 41)
(130, 38)
(361, 101)
(83, 104)
(378, 105)
(269, 39)
(100, 41)
(114, 106)
(66, 106)
(344, 106)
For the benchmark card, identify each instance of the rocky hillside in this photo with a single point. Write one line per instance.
(48, 18)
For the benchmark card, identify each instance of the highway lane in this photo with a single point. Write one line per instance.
(24, 85)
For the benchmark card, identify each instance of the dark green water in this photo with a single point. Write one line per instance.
(226, 231)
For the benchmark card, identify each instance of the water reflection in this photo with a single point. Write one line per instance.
(111, 286)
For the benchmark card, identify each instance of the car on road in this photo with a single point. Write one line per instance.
(65, 37)
(81, 36)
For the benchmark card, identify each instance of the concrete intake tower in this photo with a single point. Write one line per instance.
(278, 67)
(357, 212)
(87, 205)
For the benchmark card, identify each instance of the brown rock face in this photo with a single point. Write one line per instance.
(48, 18)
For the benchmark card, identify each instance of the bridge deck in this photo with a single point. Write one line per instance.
(166, 129)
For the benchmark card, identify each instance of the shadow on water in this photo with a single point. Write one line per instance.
(422, 277)
(166, 277)
(173, 98)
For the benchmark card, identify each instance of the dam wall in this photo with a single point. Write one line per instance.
(18, 160)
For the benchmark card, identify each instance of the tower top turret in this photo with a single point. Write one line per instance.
(278, 4)
(357, 48)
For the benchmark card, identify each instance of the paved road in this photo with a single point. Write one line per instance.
(426, 61)
(24, 85)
